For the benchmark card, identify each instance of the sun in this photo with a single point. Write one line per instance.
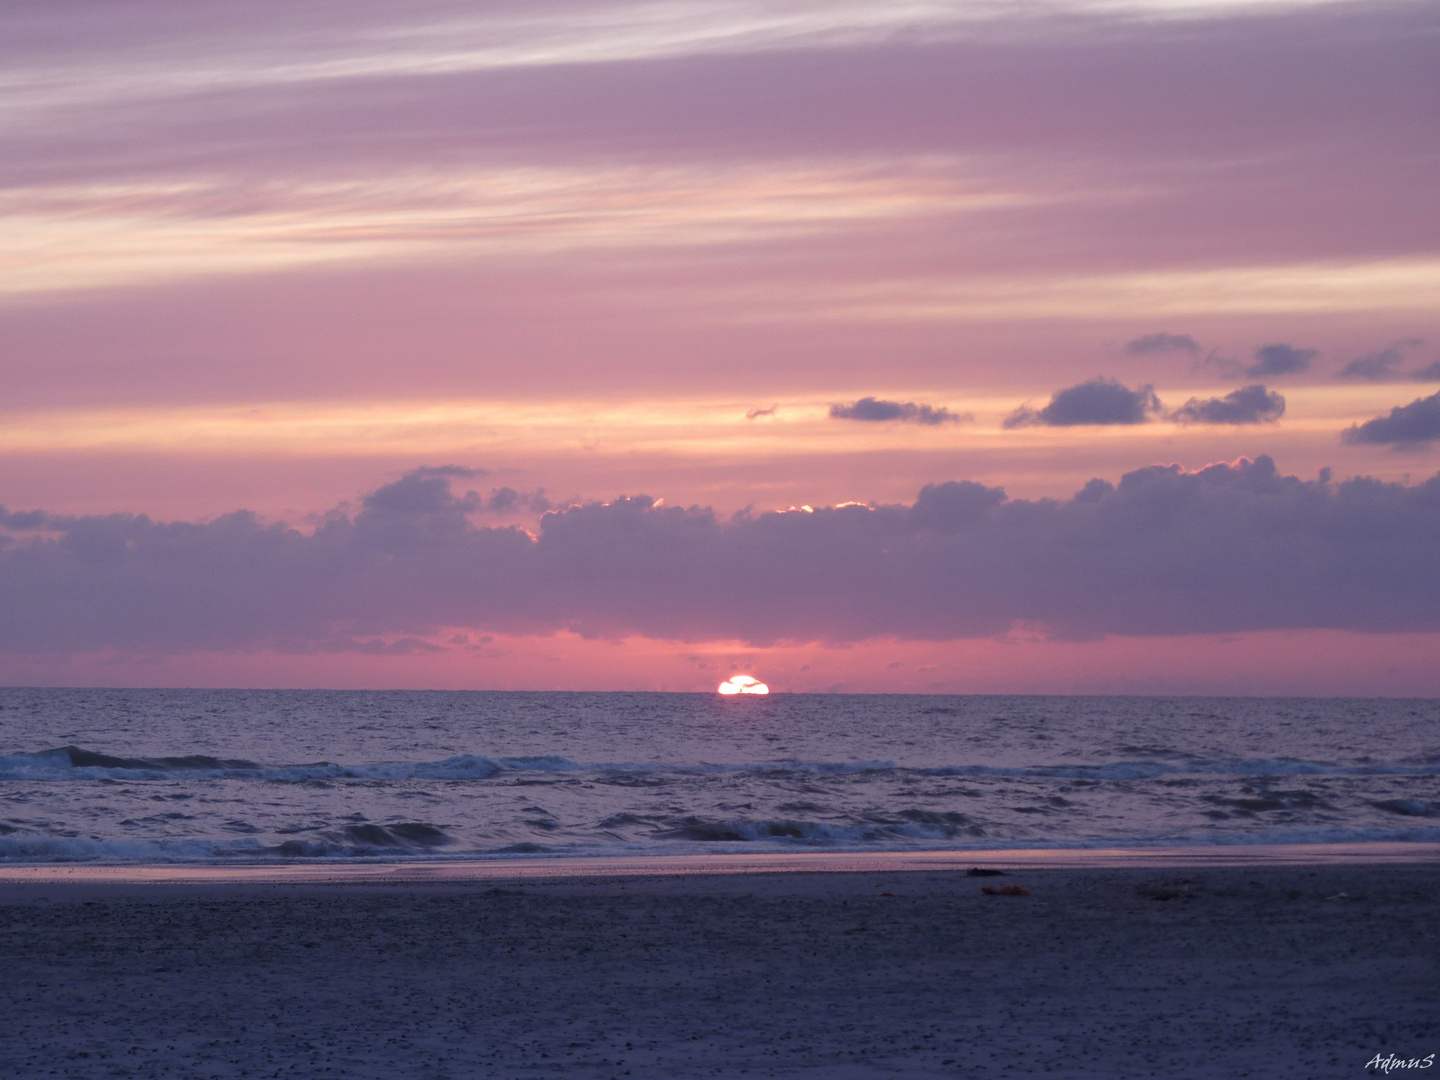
(743, 684)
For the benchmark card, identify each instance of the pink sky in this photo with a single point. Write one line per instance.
(280, 259)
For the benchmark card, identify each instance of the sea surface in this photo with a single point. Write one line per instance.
(281, 776)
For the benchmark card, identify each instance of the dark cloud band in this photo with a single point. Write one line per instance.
(1229, 548)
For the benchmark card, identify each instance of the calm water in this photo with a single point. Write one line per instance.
(115, 775)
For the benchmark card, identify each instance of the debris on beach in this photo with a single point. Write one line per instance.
(1160, 893)
(981, 871)
(1004, 890)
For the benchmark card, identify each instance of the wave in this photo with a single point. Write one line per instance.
(30, 848)
(405, 839)
(76, 763)
(1146, 770)
(367, 839)
(874, 828)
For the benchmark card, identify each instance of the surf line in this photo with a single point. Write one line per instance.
(579, 866)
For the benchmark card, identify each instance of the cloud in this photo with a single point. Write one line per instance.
(1248, 405)
(23, 520)
(1228, 548)
(423, 491)
(1429, 373)
(877, 409)
(1383, 365)
(954, 505)
(756, 413)
(1280, 359)
(506, 500)
(1158, 343)
(426, 492)
(1406, 427)
(1099, 401)
(1077, 104)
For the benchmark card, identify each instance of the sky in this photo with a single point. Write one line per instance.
(926, 346)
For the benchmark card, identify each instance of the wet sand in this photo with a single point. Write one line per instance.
(1226, 972)
(431, 870)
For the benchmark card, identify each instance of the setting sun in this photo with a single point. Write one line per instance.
(743, 684)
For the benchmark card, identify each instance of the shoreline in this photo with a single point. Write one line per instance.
(703, 865)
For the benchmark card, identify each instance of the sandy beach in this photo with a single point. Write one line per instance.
(1263, 971)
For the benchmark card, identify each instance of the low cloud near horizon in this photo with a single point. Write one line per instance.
(1097, 401)
(1228, 548)
(1280, 359)
(1410, 426)
(1148, 344)
(1383, 365)
(1248, 405)
(880, 410)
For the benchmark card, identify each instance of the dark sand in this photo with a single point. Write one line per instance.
(1274, 972)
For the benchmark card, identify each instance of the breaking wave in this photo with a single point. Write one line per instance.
(76, 763)
(406, 839)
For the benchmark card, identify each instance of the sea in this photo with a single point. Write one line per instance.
(277, 776)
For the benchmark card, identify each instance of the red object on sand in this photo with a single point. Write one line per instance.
(1005, 890)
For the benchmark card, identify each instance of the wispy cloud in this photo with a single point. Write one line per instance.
(1280, 359)
(1383, 365)
(167, 140)
(878, 410)
(147, 232)
(1162, 343)
(51, 62)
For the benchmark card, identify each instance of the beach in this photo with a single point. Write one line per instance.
(1150, 971)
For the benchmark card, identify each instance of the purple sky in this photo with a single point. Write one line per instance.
(721, 258)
